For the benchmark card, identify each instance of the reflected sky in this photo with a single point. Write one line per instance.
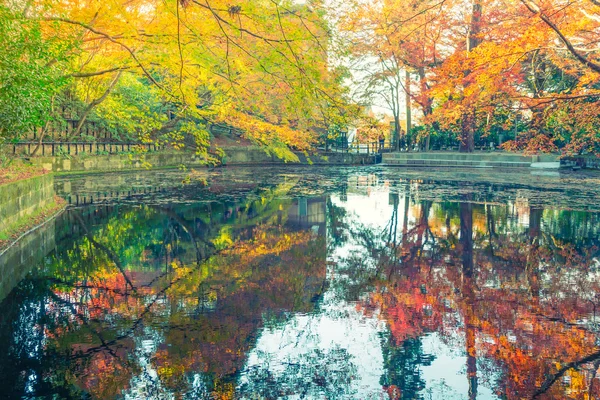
(341, 284)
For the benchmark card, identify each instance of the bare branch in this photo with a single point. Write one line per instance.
(110, 38)
(94, 103)
(97, 73)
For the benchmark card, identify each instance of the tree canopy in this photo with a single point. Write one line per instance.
(164, 71)
(525, 72)
(486, 68)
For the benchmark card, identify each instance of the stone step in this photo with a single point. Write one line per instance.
(456, 163)
(457, 156)
(472, 156)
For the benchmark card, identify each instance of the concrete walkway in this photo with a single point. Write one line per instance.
(470, 160)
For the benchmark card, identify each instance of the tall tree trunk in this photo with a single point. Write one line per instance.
(408, 103)
(538, 67)
(426, 102)
(473, 39)
(396, 131)
(467, 136)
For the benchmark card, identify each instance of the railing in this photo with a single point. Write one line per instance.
(75, 148)
(476, 148)
(359, 148)
(386, 147)
(64, 128)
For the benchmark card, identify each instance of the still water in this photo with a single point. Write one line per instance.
(309, 284)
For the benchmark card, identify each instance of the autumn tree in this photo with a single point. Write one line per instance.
(486, 69)
(165, 72)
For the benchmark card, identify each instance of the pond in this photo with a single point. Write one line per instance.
(310, 283)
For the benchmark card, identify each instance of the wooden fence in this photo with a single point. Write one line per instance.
(63, 131)
(358, 148)
(107, 197)
(75, 148)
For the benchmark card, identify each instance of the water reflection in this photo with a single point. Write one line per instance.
(360, 285)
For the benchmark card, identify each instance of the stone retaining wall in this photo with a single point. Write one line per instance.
(94, 163)
(470, 160)
(234, 156)
(251, 155)
(24, 255)
(23, 198)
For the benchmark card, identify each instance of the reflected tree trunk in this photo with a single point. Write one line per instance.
(405, 217)
(392, 235)
(423, 224)
(468, 293)
(532, 266)
(491, 226)
(109, 253)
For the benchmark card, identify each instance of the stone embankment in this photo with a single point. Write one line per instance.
(27, 253)
(470, 160)
(576, 162)
(22, 204)
(25, 198)
(233, 156)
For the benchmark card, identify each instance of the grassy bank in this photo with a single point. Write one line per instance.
(17, 170)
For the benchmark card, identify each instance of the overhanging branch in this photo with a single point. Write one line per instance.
(535, 9)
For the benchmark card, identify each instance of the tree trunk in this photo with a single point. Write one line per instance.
(467, 135)
(426, 102)
(42, 135)
(537, 125)
(408, 110)
(396, 131)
